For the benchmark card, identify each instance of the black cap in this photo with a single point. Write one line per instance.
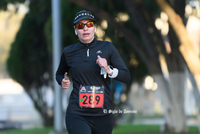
(83, 15)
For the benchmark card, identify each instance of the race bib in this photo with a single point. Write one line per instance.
(91, 96)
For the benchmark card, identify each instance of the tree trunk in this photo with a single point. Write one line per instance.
(190, 55)
(178, 83)
(168, 106)
(195, 91)
(37, 95)
(177, 80)
(168, 91)
(186, 48)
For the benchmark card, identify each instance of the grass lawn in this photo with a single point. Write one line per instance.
(121, 129)
(146, 129)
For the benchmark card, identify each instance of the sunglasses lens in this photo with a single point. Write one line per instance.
(80, 26)
(90, 24)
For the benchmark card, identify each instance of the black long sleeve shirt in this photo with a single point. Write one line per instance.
(81, 59)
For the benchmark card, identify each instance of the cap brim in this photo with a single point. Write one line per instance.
(82, 18)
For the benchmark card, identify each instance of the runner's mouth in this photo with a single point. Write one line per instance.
(85, 34)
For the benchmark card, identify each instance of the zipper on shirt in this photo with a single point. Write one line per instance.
(88, 54)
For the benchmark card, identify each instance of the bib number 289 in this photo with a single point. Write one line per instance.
(91, 100)
(91, 96)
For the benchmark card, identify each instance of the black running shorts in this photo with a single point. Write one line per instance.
(78, 124)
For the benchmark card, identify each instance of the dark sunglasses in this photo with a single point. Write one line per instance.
(82, 25)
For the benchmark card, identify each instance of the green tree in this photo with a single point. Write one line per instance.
(29, 62)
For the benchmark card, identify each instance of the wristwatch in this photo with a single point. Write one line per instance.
(110, 70)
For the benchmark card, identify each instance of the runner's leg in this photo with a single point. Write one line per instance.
(76, 124)
(102, 124)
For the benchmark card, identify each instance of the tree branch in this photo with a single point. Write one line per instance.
(190, 55)
(127, 34)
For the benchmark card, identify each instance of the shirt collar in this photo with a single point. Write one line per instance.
(88, 45)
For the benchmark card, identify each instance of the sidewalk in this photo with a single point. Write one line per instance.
(160, 121)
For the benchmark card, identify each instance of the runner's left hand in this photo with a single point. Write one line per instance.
(102, 62)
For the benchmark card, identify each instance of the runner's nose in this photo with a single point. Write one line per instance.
(85, 28)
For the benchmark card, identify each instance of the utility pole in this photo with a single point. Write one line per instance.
(56, 27)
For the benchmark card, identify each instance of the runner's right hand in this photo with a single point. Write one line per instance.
(65, 81)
